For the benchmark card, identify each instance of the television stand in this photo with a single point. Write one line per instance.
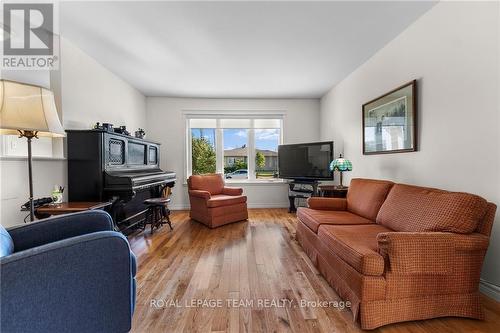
(301, 189)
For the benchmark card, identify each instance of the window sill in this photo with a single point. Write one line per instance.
(35, 158)
(254, 182)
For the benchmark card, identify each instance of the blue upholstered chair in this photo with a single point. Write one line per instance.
(70, 273)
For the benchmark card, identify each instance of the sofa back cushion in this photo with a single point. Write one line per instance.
(420, 209)
(366, 196)
(6, 243)
(212, 183)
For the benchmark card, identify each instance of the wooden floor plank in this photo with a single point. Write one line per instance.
(248, 261)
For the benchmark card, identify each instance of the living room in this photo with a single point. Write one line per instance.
(220, 225)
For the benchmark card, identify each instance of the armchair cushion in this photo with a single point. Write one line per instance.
(60, 227)
(428, 252)
(327, 203)
(212, 183)
(225, 200)
(232, 191)
(356, 245)
(420, 209)
(314, 218)
(6, 243)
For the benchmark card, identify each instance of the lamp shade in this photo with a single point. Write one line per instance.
(28, 108)
(341, 164)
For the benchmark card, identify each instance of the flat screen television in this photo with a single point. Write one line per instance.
(305, 161)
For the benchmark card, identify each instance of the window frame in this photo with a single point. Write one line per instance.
(219, 140)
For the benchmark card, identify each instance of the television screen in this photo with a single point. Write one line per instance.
(305, 161)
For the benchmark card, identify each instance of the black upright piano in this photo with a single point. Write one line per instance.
(106, 166)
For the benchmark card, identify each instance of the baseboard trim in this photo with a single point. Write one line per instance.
(178, 207)
(250, 205)
(268, 205)
(489, 289)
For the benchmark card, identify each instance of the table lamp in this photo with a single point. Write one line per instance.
(341, 164)
(28, 111)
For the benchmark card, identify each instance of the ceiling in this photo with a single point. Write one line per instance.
(235, 49)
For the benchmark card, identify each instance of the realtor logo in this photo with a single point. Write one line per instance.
(28, 36)
(36, 24)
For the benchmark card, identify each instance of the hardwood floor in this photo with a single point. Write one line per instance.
(257, 261)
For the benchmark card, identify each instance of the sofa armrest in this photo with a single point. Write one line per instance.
(60, 227)
(327, 203)
(232, 191)
(429, 252)
(80, 284)
(200, 194)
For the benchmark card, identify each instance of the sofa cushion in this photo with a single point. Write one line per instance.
(212, 183)
(6, 243)
(356, 245)
(219, 200)
(366, 196)
(419, 209)
(313, 218)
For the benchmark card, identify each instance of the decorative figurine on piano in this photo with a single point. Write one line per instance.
(104, 127)
(140, 133)
(122, 130)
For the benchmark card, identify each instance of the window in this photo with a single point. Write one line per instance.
(236, 153)
(267, 138)
(240, 148)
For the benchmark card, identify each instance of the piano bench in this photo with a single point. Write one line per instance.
(157, 212)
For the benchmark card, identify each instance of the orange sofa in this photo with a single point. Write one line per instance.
(399, 252)
(214, 204)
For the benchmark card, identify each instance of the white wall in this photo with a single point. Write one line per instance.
(165, 124)
(91, 93)
(86, 92)
(453, 52)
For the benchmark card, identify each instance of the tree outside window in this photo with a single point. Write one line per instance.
(203, 151)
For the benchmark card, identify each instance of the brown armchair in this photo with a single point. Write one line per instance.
(214, 204)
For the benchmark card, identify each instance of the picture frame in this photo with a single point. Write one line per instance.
(390, 121)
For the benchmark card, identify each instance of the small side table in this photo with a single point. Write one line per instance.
(332, 191)
(69, 207)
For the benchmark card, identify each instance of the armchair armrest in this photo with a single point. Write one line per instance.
(232, 191)
(428, 252)
(60, 227)
(327, 203)
(80, 284)
(200, 194)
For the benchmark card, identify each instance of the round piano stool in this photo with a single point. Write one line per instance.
(157, 213)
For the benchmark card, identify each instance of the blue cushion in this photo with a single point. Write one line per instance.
(6, 243)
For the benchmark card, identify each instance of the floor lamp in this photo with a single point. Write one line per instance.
(28, 111)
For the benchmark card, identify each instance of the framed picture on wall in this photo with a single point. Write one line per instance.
(390, 121)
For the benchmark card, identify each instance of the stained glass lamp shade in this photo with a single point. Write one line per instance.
(341, 164)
